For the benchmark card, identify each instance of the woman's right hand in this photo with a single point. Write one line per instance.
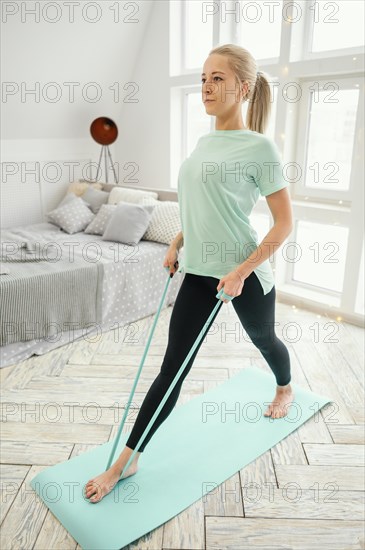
(171, 261)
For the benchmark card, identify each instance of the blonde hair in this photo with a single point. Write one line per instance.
(244, 65)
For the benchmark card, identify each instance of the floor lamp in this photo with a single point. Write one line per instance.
(104, 131)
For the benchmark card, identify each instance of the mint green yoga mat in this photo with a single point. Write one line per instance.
(199, 446)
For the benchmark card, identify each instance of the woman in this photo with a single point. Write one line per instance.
(218, 186)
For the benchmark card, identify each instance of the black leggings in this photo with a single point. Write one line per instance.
(193, 305)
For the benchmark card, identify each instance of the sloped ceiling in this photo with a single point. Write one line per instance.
(97, 58)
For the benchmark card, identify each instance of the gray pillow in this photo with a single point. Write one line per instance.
(68, 198)
(73, 216)
(95, 198)
(128, 223)
(99, 223)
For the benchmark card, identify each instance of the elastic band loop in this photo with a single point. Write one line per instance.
(116, 441)
(173, 383)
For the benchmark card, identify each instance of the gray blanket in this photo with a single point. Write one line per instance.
(132, 280)
(44, 294)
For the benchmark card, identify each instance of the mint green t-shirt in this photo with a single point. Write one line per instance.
(218, 186)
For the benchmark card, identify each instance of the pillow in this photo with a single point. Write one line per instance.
(148, 200)
(79, 187)
(98, 224)
(128, 223)
(165, 222)
(66, 199)
(95, 198)
(135, 196)
(73, 216)
(70, 196)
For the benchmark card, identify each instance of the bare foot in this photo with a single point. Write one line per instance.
(279, 407)
(97, 487)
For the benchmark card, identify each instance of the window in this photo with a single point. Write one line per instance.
(310, 51)
(259, 19)
(261, 224)
(330, 140)
(198, 123)
(320, 255)
(198, 23)
(337, 25)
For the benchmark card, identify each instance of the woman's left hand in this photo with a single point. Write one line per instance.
(232, 283)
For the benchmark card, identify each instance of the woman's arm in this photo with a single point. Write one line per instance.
(178, 241)
(280, 206)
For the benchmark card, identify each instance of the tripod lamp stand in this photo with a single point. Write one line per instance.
(104, 131)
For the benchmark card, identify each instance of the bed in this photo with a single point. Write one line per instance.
(82, 285)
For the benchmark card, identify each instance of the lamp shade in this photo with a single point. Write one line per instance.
(104, 130)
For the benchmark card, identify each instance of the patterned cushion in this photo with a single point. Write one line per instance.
(165, 222)
(72, 217)
(70, 196)
(98, 224)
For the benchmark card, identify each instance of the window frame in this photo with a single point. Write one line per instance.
(300, 190)
(307, 46)
(320, 206)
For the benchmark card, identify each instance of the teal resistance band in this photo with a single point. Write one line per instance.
(173, 383)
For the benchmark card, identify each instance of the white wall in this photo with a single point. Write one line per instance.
(146, 139)
(36, 53)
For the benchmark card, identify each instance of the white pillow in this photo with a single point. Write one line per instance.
(165, 222)
(135, 196)
(147, 201)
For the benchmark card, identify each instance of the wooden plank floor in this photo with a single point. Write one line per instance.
(306, 492)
